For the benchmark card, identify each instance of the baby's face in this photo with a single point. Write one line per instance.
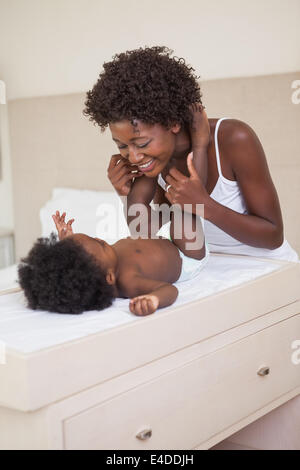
(99, 249)
(144, 144)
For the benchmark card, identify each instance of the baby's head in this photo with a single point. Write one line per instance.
(75, 274)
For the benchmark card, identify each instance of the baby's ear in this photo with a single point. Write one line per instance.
(110, 277)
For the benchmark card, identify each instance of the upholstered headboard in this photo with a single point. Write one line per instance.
(54, 145)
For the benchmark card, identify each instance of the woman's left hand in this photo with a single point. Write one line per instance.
(186, 189)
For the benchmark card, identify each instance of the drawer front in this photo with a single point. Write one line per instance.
(187, 406)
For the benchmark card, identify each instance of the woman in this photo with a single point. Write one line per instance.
(152, 104)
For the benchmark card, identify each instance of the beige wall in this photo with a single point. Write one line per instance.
(53, 47)
(53, 144)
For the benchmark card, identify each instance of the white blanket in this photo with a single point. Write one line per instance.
(32, 330)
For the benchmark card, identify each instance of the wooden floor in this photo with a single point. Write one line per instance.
(228, 445)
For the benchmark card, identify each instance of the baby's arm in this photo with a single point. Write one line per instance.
(192, 230)
(142, 192)
(147, 295)
(191, 243)
(64, 229)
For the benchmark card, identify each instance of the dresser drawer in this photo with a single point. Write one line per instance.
(188, 405)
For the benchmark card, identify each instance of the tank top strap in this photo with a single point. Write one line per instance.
(217, 146)
(161, 182)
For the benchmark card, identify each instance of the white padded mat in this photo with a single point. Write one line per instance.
(31, 330)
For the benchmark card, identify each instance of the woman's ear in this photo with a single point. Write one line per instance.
(175, 128)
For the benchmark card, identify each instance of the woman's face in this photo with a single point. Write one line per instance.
(148, 146)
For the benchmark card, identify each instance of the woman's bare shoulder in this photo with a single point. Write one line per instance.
(233, 131)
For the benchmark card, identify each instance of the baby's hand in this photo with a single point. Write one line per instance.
(199, 128)
(144, 304)
(64, 229)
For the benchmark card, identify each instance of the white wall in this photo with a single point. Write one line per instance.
(50, 47)
(6, 202)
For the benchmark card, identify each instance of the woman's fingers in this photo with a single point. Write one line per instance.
(170, 180)
(117, 175)
(177, 175)
(115, 168)
(127, 178)
(124, 169)
(113, 161)
(123, 180)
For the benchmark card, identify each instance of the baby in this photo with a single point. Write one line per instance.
(80, 273)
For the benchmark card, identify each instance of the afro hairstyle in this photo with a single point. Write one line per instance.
(144, 84)
(62, 277)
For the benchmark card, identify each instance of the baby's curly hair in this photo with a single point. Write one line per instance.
(62, 277)
(145, 84)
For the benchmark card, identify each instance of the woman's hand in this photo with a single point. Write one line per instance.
(64, 229)
(144, 304)
(199, 127)
(183, 190)
(120, 173)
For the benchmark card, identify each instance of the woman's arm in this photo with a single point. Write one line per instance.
(263, 226)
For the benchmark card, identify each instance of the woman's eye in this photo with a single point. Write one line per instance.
(139, 146)
(142, 146)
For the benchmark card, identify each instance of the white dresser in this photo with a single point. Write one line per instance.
(185, 378)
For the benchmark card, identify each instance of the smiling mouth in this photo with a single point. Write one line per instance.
(146, 165)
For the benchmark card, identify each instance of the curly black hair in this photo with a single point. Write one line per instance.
(62, 277)
(145, 84)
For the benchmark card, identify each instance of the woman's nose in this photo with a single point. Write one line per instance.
(135, 157)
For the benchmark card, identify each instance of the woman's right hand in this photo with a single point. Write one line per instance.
(120, 173)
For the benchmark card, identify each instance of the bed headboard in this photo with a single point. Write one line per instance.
(53, 144)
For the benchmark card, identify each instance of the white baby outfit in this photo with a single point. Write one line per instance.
(190, 266)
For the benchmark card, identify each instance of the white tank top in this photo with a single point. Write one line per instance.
(227, 193)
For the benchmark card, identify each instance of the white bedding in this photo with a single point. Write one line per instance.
(28, 331)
